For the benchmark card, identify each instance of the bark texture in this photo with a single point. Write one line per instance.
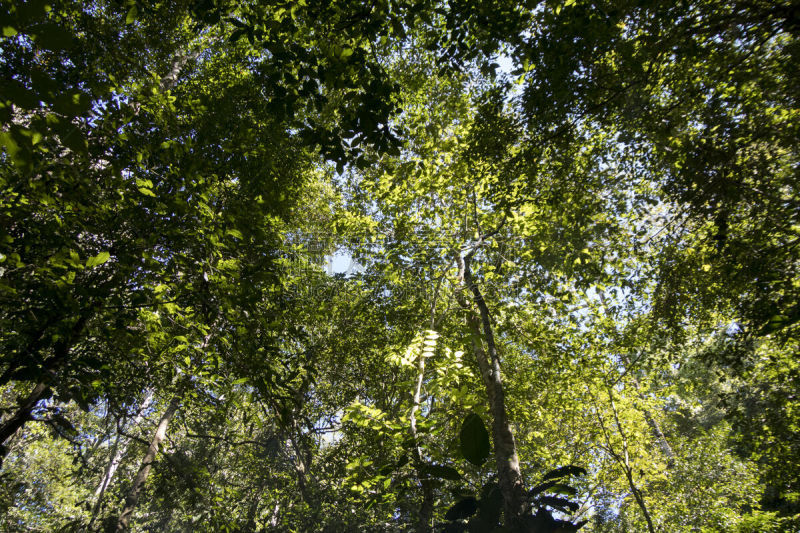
(505, 448)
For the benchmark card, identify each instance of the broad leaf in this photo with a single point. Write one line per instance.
(462, 509)
(564, 471)
(97, 260)
(474, 438)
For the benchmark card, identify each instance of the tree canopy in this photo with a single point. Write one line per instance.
(452, 266)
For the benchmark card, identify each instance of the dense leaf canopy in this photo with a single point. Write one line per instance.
(400, 266)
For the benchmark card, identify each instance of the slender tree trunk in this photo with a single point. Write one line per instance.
(624, 461)
(655, 427)
(144, 470)
(302, 462)
(179, 60)
(161, 431)
(116, 459)
(425, 516)
(505, 449)
(252, 509)
(637, 495)
(273, 519)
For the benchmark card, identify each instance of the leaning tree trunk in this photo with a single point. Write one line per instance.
(42, 389)
(505, 449)
(624, 460)
(116, 459)
(144, 470)
(21, 416)
(652, 422)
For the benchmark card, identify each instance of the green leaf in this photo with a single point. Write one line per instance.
(474, 438)
(560, 488)
(97, 260)
(130, 18)
(13, 149)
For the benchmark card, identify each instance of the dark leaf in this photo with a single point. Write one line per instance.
(541, 487)
(542, 522)
(440, 471)
(475, 446)
(26, 373)
(563, 471)
(462, 509)
(53, 37)
(402, 461)
(235, 36)
(452, 527)
(478, 524)
(72, 104)
(552, 486)
(491, 503)
(559, 503)
(19, 95)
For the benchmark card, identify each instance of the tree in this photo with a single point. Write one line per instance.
(575, 230)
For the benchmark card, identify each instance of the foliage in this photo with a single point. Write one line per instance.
(574, 228)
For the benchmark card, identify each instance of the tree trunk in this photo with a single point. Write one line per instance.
(425, 517)
(655, 427)
(625, 462)
(42, 389)
(505, 448)
(141, 477)
(119, 452)
(23, 414)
